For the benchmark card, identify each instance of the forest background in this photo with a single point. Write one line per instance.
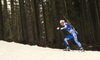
(34, 22)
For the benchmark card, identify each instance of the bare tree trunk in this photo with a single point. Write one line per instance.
(12, 16)
(1, 22)
(98, 2)
(23, 22)
(36, 9)
(42, 29)
(34, 15)
(97, 21)
(6, 22)
(16, 22)
(55, 23)
(29, 22)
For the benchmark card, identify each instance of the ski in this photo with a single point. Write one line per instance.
(74, 50)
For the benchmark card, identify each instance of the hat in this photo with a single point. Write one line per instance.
(62, 21)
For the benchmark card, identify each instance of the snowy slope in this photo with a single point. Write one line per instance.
(15, 51)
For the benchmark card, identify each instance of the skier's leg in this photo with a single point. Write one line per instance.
(66, 41)
(79, 44)
(67, 38)
(76, 39)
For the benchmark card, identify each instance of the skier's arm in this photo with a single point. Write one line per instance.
(63, 27)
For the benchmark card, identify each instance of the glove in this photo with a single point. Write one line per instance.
(58, 28)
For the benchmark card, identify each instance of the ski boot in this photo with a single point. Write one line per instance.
(67, 48)
(81, 49)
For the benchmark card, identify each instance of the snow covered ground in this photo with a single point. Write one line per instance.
(15, 51)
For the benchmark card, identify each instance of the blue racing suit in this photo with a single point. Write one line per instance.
(73, 34)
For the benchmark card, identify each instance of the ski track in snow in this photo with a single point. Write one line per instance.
(16, 51)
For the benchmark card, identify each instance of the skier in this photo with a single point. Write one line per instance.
(73, 34)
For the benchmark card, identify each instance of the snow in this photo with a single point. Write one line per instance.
(15, 51)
